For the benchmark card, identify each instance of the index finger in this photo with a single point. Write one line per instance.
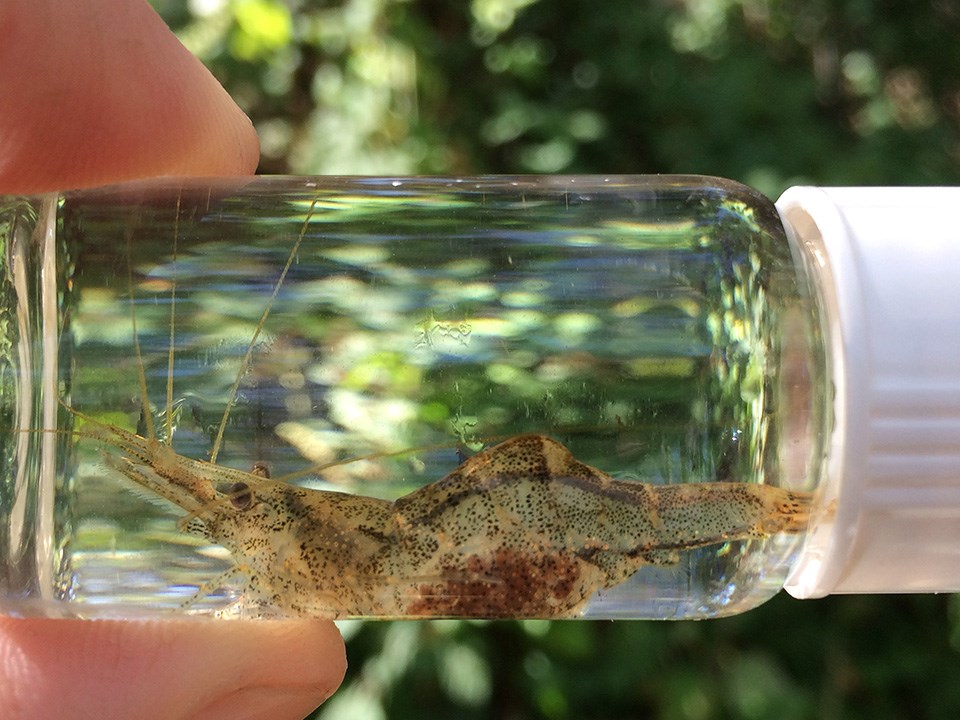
(101, 91)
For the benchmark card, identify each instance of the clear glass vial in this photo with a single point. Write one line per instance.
(363, 338)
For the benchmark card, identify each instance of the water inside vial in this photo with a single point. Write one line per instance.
(659, 329)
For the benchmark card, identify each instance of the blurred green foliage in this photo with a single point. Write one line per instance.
(768, 92)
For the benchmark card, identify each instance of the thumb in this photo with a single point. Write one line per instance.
(185, 668)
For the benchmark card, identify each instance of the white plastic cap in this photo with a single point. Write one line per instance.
(889, 260)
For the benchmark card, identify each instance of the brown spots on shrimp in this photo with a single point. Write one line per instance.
(508, 583)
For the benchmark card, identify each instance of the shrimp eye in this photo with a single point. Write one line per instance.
(240, 495)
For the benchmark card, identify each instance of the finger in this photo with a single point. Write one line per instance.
(99, 91)
(186, 668)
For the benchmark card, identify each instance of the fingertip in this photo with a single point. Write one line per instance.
(100, 91)
(184, 668)
(299, 665)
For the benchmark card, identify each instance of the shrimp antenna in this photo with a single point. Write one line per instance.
(141, 373)
(245, 363)
(173, 315)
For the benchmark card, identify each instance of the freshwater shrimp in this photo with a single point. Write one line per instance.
(520, 530)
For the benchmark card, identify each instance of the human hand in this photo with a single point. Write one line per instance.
(94, 92)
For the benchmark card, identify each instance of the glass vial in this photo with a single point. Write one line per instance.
(366, 337)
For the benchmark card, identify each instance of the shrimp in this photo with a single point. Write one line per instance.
(520, 530)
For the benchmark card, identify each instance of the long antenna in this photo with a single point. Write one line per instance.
(245, 363)
(141, 373)
(173, 314)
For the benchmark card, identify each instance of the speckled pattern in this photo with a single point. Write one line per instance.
(522, 529)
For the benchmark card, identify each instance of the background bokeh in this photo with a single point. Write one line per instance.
(767, 92)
